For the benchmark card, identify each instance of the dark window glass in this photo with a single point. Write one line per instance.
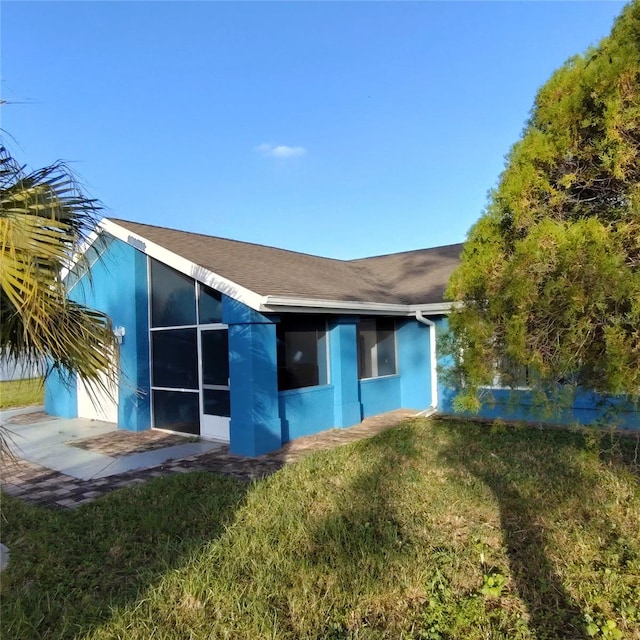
(386, 346)
(209, 306)
(366, 347)
(173, 297)
(302, 353)
(175, 358)
(215, 357)
(376, 347)
(511, 375)
(216, 402)
(176, 411)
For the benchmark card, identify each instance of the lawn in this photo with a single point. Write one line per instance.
(21, 393)
(436, 529)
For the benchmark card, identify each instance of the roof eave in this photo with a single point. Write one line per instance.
(183, 265)
(280, 304)
(269, 303)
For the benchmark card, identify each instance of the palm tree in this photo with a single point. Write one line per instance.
(45, 220)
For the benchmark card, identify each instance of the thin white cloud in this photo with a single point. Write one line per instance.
(280, 150)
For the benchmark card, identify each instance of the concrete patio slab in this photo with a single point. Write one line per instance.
(38, 485)
(48, 444)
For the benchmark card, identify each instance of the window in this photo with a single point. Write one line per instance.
(176, 411)
(209, 306)
(376, 347)
(189, 364)
(173, 297)
(302, 352)
(175, 359)
(511, 375)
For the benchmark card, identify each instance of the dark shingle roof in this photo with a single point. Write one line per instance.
(413, 277)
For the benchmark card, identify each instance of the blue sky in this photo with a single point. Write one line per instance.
(344, 129)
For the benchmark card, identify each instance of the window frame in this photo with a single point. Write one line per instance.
(281, 354)
(374, 351)
(498, 384)
(198, 286)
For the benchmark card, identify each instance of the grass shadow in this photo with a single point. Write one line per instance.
(529, 497)
(71, 569)
(362, 534)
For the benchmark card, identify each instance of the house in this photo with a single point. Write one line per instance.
(256, 346)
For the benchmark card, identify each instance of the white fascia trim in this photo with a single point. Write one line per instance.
(311, 305)
(188, 268)
(434, 308)
(73, 260)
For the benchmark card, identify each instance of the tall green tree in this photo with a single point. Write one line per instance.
(45, 219)
(550, 274)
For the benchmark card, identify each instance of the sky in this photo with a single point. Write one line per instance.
(342, 129)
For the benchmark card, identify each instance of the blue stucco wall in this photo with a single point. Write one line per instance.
(414, 364)
(378, 395)
(589, 409)
(306, 411)
(255, 426)
(118, 287)
(410, 388)
(61, 396)
(343, 371)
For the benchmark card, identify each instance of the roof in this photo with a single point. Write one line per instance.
(409, 278)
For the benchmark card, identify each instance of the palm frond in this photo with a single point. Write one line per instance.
(45, 219)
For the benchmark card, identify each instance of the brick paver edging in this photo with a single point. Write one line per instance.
(37, 485)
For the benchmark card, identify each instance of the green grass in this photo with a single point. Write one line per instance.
(433, 530)
(21, 393)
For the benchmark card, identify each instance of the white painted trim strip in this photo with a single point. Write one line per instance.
(267, 304)
(83, 248)
(311, 305)
(188, 268)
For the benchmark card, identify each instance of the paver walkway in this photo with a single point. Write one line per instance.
(38, 485)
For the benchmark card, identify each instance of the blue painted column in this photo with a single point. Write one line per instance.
(134, 406)
(343, 358)
(255, 426)
(414, 364)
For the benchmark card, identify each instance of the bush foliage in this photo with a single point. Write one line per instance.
(550, 276)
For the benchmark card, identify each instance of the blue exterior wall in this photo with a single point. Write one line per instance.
(410, 388)
(347, 400)
(312, 409)
(61, 396)
(255, 426)
(589, 409)
(343, 369)
(306, 411)
(378, 395)
(118, 287)
(262, 418)
(414, 364)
